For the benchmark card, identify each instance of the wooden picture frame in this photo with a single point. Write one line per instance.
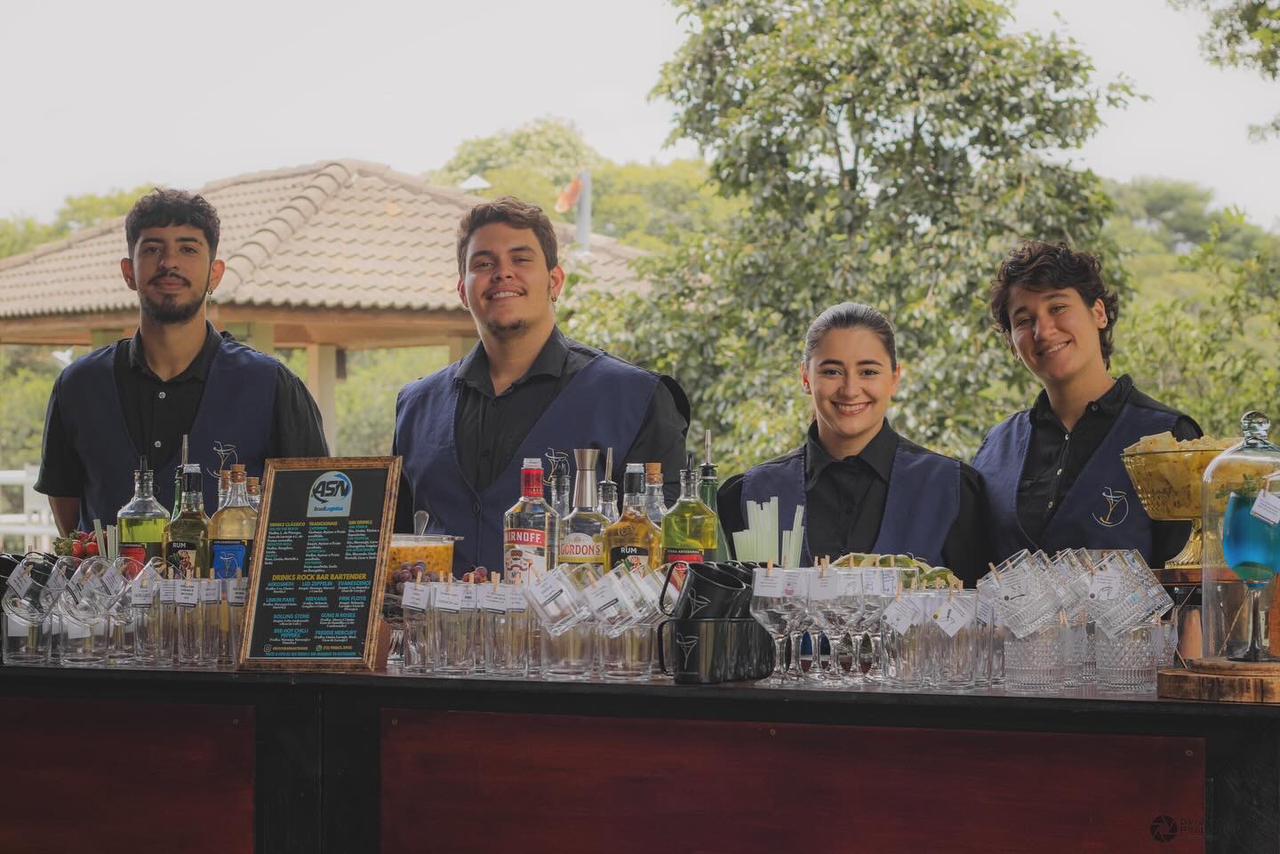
(320, 522)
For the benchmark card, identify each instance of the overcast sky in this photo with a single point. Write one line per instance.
(113, 95)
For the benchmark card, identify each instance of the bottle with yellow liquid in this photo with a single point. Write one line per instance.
(186, 556)
(231, 532)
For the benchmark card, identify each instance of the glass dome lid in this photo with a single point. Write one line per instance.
(1242, 547)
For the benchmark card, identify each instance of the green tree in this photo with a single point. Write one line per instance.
(549, 148)
(1243, 34)
(22, 234)
(891, 152)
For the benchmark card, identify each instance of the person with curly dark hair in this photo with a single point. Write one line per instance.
(1053, 473)
(177, 376)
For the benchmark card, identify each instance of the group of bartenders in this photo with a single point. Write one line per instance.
(1047, 477)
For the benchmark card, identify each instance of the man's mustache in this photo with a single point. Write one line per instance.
(170, 276)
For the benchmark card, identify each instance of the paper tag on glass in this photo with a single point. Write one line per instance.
(853, 582)
(986, 611)
(168, 591)
(20, 580)
(888, 582)
(416, 596)
(603, 600)
(1104, 587)
(649, 582)
(92, 584)
(113, 579)
(1013, 584)
(210, 591)
(900, 615)
(237, 591)
(493, 599)
(1266, 507)
(142, 593)
(954, 613)
(186, 592)
(448, 598)
(824, 588)
(517, 601)
(548, 589)
(468, 592)
(768, 583)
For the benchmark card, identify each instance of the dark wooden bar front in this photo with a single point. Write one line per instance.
(116, 761)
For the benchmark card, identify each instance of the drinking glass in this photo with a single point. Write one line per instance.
(30, 598)
(94, 589)
(455, 607)
(144, 601)
(904, 634)
(1033, 664)
(1125, 663)
(955, 629)
(420, 633)
(828, 619)
(778, 602)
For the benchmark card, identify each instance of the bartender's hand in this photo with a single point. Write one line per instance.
(66, 514)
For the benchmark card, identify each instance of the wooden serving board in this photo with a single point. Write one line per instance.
(1222, 682)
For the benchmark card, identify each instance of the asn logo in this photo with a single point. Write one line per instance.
(330, 495)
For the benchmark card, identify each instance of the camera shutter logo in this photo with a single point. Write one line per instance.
(1164, 828)
(331, 495)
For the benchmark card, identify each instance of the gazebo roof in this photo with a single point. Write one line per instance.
(298, 243)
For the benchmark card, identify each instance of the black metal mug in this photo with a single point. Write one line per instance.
(709, 592)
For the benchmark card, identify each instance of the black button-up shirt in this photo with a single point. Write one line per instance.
(158, 412)
(1056, 457)
(845, 502)
(489, 427)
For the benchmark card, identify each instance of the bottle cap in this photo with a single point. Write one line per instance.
(532, 463)
(653, 472)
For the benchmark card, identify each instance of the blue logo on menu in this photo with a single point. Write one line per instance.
(330, 495)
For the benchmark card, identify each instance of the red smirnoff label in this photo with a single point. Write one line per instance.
(532, 537)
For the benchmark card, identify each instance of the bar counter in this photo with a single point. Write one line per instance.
(187, 761)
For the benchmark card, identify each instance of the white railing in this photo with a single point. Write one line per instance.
(35, 523)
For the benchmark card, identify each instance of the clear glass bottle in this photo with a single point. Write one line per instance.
(231, 533)
(689, 528)
(708, 486)
(581, 555)
(655, 502)
(186, 555)
(528, 528)
(143, 519)
(253, 486)
(561, 497)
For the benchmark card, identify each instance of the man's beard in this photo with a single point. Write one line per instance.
(508, 330)
(168, 311)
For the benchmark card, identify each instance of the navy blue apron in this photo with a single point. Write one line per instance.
(602, 406)
(922, 505)
(235, 417)
(1100, 511)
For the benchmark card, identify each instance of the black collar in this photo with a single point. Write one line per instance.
(198, 370)
(877, 455)
(1109, 405)
(474, 367)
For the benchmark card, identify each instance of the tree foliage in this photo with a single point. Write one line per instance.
(890, 152)
(1243, 34)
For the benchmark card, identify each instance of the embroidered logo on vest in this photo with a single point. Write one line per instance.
(1117, 508)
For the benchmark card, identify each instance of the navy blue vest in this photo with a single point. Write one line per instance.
(236, 411)
(602, 406)
(922, 505)
(1100, 511)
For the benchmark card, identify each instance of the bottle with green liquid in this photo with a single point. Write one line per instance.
(142, 520)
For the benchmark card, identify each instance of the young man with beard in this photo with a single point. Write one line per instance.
(177, 376)
(523, 390)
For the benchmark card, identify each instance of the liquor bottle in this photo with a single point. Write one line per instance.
(253, 486)
(633, 540)
(655, 503)
(231, 532)
(186, 554)
(142, 520)
(561, 500)
(224, 487)
(528, 528)
(608, 490)
(582, 531)
(708, 486)
(689, 528)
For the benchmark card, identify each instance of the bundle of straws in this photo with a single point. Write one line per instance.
(760, 542)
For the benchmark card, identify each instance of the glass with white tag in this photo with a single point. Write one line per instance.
(29, 601)
(455, 607)
(779, 601)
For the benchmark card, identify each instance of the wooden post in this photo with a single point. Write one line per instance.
(322, 380)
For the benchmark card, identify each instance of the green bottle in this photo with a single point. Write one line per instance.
(707, 489)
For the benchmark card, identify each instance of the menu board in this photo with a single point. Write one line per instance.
(316, 583)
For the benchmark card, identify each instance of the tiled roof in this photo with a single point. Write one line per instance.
(341, 234)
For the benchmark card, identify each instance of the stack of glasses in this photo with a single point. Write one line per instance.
(95, 612)
(1077, 618)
